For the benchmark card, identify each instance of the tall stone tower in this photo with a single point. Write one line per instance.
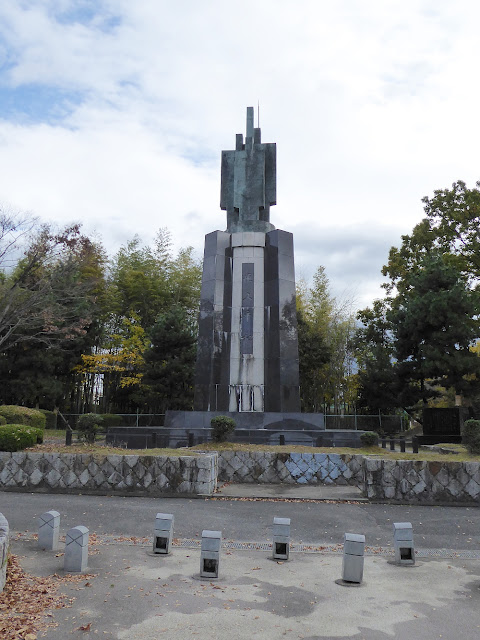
(247, 359)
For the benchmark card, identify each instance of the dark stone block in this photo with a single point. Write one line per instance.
(289, 398)
(289, 372)
(205, 325)
(272, 344)
(209, 268)
(270, 420)
(271, 293)
(286, 294)
(270, 267)
(288, 345)
(217, 242)
(207, 293)
(437, 421)
(286, 268)
(281, 240)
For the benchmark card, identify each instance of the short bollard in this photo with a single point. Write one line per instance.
(49, 530)
(281, 538)
(384, 442)
(210, 553)
(76, 549)
(353, 556)
(392, 444)
(282, 439)
(403, 542)
(163, 533)
(402, 444)
(414, 444)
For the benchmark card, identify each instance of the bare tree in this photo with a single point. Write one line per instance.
(43, 296)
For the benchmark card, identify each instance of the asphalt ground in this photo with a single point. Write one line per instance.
(131, 593)
(247, 519)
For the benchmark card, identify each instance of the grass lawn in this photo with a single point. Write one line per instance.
(55, 442)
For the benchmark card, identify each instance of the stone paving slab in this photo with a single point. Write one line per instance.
(289, 491)
(135, 594)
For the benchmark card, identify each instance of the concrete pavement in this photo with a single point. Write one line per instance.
(137, 595)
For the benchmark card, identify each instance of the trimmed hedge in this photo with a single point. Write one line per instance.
(23, 415)
(51, 418)
(222, 427)
(88, 424)
(15, 437)
(471, 436)
(369, 438)
(2, 420)
(111, 420)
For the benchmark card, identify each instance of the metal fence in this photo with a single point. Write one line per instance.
(124, 420)
(378, 422)
(351, 422)
(152, 437)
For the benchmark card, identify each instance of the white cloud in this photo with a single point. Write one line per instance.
(372, 105)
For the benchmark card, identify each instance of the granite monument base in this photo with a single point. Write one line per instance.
(262, 428)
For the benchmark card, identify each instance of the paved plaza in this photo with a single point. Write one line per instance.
(132, 593)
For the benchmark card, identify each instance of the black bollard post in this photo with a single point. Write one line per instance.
(384, 442)
(392, 444)
(68, 437)
(402, 444)
(282, 438)
(154, 439)
(191, 439)
(414, 444)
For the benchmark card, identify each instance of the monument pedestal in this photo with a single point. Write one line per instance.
(247, 358)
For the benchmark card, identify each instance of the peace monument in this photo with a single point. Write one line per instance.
(247, 359)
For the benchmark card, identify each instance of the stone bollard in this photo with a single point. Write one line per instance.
(384, 442)
(76, 549)
(402, 444)
(281, 538)
(210, 553)
(353, 552)
(392, 443)
(403, 542)
(163, 533)
(49, 531)
(4, 546)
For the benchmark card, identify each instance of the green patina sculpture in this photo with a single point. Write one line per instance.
(249, 181)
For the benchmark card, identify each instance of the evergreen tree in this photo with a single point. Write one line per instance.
(169, 363)
(435, 322)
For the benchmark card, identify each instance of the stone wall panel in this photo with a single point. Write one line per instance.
(179, 475)
(422, 481)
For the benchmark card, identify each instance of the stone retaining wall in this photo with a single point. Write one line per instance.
(422, 481)
(290, 468)
(404, 481)
(126, 474)
(4, 542)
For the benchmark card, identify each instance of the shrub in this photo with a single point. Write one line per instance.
(369, 438)
(51, 418)
(2, 420)
(222, 427)
(23, 415)
(88, 424)
(471, 436)
(111, 420)
(15, 437)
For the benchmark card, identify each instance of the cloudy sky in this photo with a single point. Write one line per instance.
(114, 113)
